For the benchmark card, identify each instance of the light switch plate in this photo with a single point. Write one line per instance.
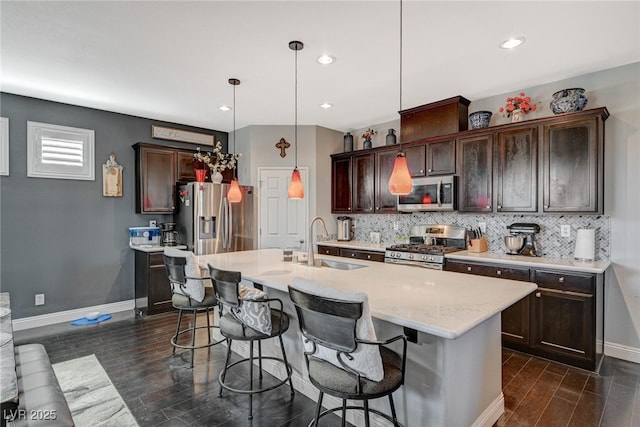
(565, 231)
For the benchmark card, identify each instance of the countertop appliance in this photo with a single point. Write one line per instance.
(427, 246)
(528, 231)
(345, 229)
(430, 194)
(169, 234)
(207, 223)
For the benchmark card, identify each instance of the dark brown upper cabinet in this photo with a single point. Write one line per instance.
(341, 186)
(155, 179)
(516, 170)
(385, 201)
(475, 156)
(572, 165)
(441, 157)
(363, 182)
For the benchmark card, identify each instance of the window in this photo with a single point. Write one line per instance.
(60, 152)
(4, 146)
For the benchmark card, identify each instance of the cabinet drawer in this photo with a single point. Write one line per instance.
(328, 250)
(500, 271)
(566, 282)
(367, 255)
(156, 259)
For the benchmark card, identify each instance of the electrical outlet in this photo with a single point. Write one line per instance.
(152, 223)
(396, 226)
(39, 299)
(483, 227)
(565, 231)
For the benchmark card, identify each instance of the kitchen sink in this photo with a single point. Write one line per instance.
(340, 265)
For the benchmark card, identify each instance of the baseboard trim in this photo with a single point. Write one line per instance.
(69, 315)
(619, 351)
(491, 414)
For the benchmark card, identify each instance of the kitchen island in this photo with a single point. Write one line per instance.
(454, 375)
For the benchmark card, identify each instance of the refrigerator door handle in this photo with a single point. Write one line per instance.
(229, 223)
(223, 226)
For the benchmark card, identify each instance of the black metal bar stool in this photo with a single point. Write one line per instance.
(329, 324)
(246, 315)
(189, 294)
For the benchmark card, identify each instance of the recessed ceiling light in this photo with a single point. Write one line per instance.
(512, 42)
(326, 59)
(326, 105)
(224, 108)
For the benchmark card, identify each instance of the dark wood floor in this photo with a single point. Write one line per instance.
(164, 391)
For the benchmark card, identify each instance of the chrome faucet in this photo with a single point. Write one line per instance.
(310, 240)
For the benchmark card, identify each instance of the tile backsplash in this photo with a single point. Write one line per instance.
(548, 241)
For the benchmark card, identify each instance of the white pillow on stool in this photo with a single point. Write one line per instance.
(193, 288)
(366, 358)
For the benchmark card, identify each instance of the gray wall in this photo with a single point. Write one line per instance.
(62, 237)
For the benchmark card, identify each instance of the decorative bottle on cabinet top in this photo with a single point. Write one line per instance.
(391, 137)
(348, 142)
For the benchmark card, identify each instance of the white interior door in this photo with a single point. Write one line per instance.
(283, 222)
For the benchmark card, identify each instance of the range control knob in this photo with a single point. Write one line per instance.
(410, 256)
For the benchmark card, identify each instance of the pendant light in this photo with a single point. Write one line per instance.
(234, 195)
(296, 188)
(400, 181)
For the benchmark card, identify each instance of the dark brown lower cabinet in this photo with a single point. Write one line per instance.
(152, 289)
(562, 320)
(351, 253)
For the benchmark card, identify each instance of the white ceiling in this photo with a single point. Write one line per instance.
(171, 60)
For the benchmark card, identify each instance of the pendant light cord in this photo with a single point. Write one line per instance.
(296, 113)
(235, 169)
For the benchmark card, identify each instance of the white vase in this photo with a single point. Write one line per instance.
(517, 116)
(216, 177)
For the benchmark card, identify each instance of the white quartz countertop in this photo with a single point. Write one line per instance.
(354, 244)
(440, 303)
(528, 261)
(154, 248)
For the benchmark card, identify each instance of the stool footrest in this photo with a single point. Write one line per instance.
(357, 408)
(260, 390)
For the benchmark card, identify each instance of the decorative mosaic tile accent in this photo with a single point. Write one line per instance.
(548, 241)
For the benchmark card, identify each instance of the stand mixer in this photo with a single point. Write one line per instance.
(527, 231)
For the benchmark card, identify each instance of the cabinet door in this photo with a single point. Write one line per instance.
(186, 171)
(515, 323)
(159, 288)
(475, 156)
(363, 182)
(441, 158)
(341, 184)
(416, 159)
(563, 326)
(385, 201)
(156, 181)
(516, 170)
(571, 157)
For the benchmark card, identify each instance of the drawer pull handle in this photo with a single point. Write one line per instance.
(327, 252)
(538, 294)
(561, 279)
(499, 273)
(353, 254)
(368, 256)
(468, 268)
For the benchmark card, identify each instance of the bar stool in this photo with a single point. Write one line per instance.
(247, 316)
(189, 295)
(340, 363)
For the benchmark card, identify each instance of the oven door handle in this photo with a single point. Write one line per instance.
(438, 198)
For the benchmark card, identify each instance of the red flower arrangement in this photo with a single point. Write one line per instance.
(521, 102)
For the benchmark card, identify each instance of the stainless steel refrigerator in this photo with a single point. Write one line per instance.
(208, 224)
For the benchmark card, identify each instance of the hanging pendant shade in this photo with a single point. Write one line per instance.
(234, 195)
(400, 181)
(296, 188)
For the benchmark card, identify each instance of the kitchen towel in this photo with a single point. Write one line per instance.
(585, 244)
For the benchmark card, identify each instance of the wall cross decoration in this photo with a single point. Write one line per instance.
(283, 145)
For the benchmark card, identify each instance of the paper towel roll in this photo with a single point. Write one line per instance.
(585, 245)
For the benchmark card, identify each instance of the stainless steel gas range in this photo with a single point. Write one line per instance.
(427, 246)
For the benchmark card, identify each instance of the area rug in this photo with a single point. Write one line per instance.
(90, 394)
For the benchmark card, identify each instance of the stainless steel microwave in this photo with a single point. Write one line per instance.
(436, 193)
